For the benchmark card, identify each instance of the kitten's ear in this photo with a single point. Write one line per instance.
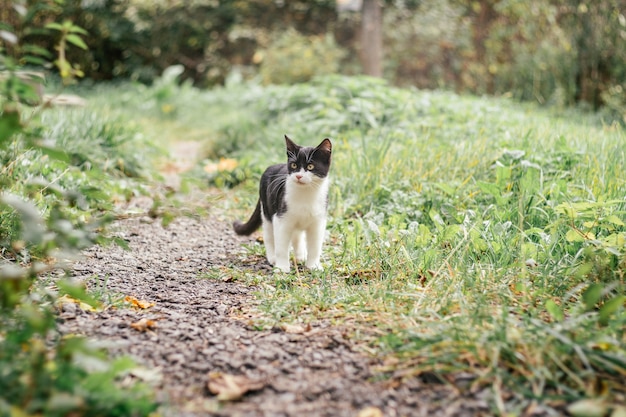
(291, 147)
(325, 146)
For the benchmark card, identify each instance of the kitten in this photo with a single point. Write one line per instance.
(292, 206)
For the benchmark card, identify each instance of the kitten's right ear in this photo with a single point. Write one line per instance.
(291, 146)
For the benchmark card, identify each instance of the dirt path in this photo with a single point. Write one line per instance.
(196, 333)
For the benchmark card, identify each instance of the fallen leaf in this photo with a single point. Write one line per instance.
(588, 407)
(225, 164)
(66, 299)
(231, 387)
(619, 411)
(138, 303)
(370, 412)
(144, 325)
(294, 328)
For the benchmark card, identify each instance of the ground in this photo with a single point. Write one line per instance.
(196, 341)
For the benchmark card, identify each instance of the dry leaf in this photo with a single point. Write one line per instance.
(66, 299)
(588, 407)
(294, 328)
(370, 412)
(138, 303)
(225, 164)
(619, 411)
(144, 325)
(231, 387)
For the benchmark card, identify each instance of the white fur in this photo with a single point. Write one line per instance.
(302, 227)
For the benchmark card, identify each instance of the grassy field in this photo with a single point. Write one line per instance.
(465, 234)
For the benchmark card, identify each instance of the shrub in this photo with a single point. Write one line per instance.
(294, 58)
(49, 209)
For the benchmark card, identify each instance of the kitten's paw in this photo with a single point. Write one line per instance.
(315, 266)
(283, 269)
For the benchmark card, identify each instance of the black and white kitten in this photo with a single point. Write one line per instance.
(292, 206)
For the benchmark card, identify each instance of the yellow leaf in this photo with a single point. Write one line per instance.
(588, 407)
(138, 303)
(143, 325)
(66, 299)
(231, 387)
(85, 307)
(295, 328)
(225, 164)
(370, 412)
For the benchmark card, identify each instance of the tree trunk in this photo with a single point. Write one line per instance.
(372, 38)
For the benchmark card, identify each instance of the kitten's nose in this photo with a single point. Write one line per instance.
(299, 176)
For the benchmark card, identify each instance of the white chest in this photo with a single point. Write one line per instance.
(305, 205)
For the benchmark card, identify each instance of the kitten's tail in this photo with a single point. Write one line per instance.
(253, 224)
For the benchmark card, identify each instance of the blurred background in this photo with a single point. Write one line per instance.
(559, 52)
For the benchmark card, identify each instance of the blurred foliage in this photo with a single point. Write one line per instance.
(551, 51)
(56, 190)
(559, 52)
(294, 58)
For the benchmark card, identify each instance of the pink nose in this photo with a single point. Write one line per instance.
(299, 177)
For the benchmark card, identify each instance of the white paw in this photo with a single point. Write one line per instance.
(315, 266)
(282, 267)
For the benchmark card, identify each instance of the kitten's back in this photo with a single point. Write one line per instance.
(272, 190)
(271, 199)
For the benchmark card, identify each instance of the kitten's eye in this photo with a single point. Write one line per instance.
(294, 165)
(310, 167)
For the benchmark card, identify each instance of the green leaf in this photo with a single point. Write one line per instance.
(78, 29)
(573, 236)
(554, 310)
(34, 60)
(567, 210)
(54, 153)
(613, 219)
(54, 26)
(37, 50)
(610, 307)
(448, 189)
(592, 295)
(489, 188)
(76, 40)
(9, 125)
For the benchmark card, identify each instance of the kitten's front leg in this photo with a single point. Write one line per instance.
(299, 246)
(282, 240)
(268, 239)
(314, 242)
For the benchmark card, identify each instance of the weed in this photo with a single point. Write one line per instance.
(468, 231)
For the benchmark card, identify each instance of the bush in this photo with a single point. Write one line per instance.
(560, 52)
(294, 58)
(50, 208)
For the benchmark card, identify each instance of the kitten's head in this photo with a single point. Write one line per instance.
(308, 165)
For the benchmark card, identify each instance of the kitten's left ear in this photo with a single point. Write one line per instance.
(325, 146)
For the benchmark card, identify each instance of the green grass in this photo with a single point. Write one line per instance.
(465, 234)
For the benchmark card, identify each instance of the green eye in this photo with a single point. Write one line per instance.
(310, 167)
(294, 165)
